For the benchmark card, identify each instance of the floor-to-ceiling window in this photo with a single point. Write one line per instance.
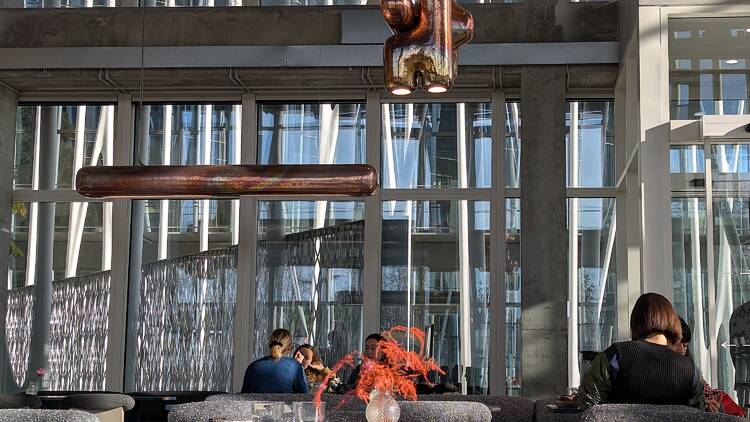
(435, 251)
(309, 254)
(590, 165)
(187, 282)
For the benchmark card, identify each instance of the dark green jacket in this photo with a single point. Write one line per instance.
(596, 386)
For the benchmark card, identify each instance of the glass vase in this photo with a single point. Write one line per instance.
(382, 407)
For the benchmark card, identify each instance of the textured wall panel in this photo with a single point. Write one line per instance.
(78, 333)
(18, 330)
(186, 322)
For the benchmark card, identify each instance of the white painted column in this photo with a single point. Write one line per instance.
(653, 86)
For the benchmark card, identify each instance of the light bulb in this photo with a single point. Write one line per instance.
(401, 91)
(437, 89)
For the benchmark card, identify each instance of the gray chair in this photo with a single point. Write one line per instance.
(100, 402)
(45, 415)
(203, 411)
(443, 411)
(503, 408)
(651, 413)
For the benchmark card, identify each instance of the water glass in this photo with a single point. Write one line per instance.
(268, 411)
(307, 411)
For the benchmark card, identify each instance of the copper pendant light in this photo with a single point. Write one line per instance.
(423, 48)
(226, 181)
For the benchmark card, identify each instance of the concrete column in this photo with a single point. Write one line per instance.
(7, 133)
(544, 247)
(49, 148)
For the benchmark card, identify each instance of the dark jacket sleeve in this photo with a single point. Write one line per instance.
(300, 381)
(596, 385)
(698, 399)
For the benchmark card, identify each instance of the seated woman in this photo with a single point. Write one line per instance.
(372, 352)
(276, 373)
(315, 371)
(645, 370)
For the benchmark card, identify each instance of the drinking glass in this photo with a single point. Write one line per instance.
(268, 411)
(306, 411)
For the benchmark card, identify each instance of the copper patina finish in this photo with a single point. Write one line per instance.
(423, 48)
(222, 181)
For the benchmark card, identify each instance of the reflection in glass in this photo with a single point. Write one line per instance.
(82, 241)
(730, 167)
(311, 133)
(65, 137)
(189, 134)
(435, 145)
(708, 66)
(512, 145)
(690, 276)
(513, 296)
(591, 231)
(435, 273)
(590, 159)
(731, 251)
(686, 159)
(309, 275)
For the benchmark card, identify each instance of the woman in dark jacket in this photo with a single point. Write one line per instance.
(645, 370)
(276, 373)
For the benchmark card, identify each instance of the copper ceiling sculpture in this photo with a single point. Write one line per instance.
(226, 181)
(427, 34)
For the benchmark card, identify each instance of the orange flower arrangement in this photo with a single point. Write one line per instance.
(396, 372)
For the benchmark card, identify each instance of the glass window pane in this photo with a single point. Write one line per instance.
(512, 145)
(19, 243)
(708, 66)
(309, 275)
(686, 159)
(513, 296)
(690, 276)
(434, 145)
(311, 133)
(65, 138)
(591, 228)
(730, 167)
(435, 273)
(590, 159)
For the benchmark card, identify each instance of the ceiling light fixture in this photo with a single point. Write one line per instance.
(732, 61)
(423, 49)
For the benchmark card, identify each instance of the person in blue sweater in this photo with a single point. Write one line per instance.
(276, 373)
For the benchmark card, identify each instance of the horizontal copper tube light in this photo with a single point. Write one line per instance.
(226, 181)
